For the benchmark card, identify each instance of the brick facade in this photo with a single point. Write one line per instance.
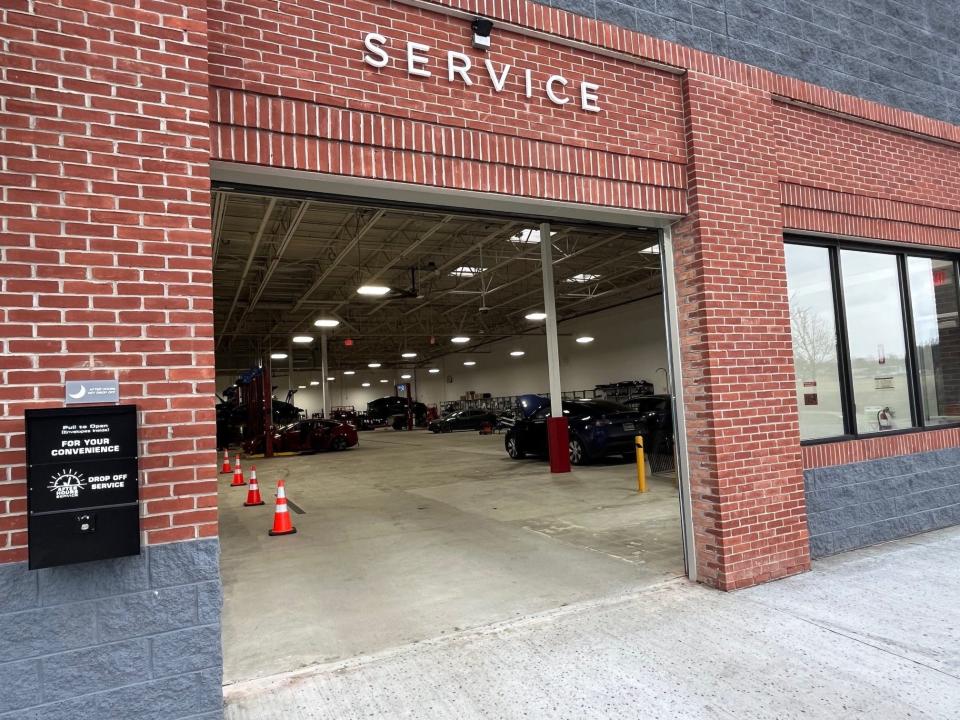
(821, 162)
(106, 268)
(112, 112)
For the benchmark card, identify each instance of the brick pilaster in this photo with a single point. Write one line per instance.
(746, 478)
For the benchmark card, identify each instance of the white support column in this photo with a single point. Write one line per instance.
(325, 370)
(550, 308)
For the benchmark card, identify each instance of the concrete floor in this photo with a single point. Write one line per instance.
(411, 536)
(870, 634)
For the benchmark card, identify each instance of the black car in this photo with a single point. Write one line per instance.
(383, 411)
(598, 428)
(469, 419)
(656, 427)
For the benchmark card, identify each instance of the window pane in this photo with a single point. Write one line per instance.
(814, 341)
(933, 300)
(871, 290)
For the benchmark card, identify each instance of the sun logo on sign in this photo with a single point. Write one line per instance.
(67, 484)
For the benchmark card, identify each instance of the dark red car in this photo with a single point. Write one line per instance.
(308, 436)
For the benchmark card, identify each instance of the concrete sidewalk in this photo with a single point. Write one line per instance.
(871, 634)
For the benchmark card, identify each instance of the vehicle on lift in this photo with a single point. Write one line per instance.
(384, 411)
(308, 436)
(598, 429)
(232, 419)
(468, 419)
(360, 421)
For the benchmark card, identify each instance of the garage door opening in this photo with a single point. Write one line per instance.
(403, 351)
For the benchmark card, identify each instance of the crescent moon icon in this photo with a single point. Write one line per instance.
(77, 396)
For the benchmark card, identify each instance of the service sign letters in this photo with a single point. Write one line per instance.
(420, 60)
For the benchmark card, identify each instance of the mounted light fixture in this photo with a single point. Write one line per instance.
(373, 365)
(584, 339)
(314, 383)
(481, 33)
(373, 290)
(331, 379)
(537, 315)
(384, 381)
(301, 387)
(326, 323)
(470, 363)
(303, 339)
(406, 377)
(364, 384)
(517, 353)
(433, 371)
(349, 372)
(278, 356)
(408, 355)
(460, 339)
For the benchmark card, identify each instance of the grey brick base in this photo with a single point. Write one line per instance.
(131, 638)
(851, 506)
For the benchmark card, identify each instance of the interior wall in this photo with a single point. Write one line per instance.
(629, 344)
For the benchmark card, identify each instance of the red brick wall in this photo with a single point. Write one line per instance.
(105, 268)
(291, 90)
(738, 381)
(106, 259)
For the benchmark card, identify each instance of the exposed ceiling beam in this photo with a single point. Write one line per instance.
(254, 245)
(219, 212)
(341, 256)
(537, 272)
(285, 241)
(453, 262)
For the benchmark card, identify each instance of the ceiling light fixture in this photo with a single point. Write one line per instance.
(470, 363)
(538, 315)
(301, 387)
(314, 383)
(460, 339)
(326, 323)
(528, 236)
(384, 381)
(303, 339)
(349, 372)
(406, 377)
(584, 339)
(278, 356)
(364, 384)
(373, 365)
(583, 278)
(467, 271)
(652, 250)
(408, 355)
(373, 290)
(433, 371)
(517, 353)
(331, 379)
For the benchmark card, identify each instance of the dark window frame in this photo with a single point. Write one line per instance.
(900, 253)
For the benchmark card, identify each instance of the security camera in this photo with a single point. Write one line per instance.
(481, 33)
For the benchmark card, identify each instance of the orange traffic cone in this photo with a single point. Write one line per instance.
(253, 494)
(226, 462)
(281, 517)
(237, 474)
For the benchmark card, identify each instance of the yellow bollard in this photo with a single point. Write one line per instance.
(641, 466)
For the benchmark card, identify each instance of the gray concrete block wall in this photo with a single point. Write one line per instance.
(852, 506)
(132, 638)
(903, 53)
